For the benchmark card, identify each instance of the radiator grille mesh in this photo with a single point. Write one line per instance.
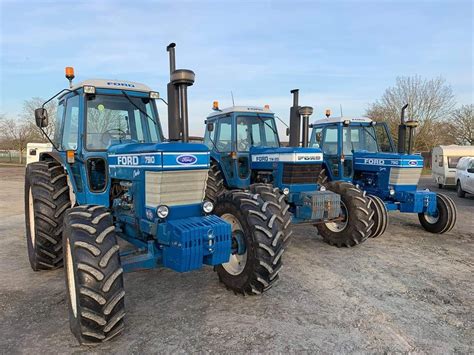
(175, 188)
(405, 176)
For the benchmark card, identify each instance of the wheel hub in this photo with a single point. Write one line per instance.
(340, 225)
(238, 259)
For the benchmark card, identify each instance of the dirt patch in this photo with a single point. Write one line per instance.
(407, 291)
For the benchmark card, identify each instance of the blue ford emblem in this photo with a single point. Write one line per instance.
(413, 162)
(186, 159)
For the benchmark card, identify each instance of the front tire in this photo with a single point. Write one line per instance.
(444, 219)
(258, 242)
(46, 200)
(357, 222)
(459, 191)
(380, 216)
(94, 276)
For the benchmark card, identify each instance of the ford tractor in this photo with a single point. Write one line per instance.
(246, 155)
(361, 151)
(112, 177)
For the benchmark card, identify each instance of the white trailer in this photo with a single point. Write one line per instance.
(444, 160)
(33, 151)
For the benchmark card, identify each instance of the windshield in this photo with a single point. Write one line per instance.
(366, 138)
(256, 131)
(113, 118)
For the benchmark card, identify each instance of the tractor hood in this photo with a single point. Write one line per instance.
(366, 159)
(126, 157)
(265, 158)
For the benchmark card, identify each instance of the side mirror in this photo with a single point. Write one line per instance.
(288, 131)
(41, 117)
(318, 137)
(210, 126)
(470, 170)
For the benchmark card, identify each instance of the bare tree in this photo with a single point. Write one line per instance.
(462, 125)
(431, 103)
(16, 134)
(28, 114)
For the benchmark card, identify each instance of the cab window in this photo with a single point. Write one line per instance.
(58, 124)
(330, 141)
(71, 124)
(224, 135)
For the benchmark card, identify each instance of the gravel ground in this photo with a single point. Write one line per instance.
(407, 291)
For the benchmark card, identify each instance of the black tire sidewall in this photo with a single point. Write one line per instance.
(243, 278)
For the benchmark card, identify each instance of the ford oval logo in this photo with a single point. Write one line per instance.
(413, 162)
(186, 159)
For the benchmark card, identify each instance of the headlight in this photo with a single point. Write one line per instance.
(154, 95)
(322, 188)
(162, 211)
(207, 206)
(392, 191)
(89, 89)
(286, 191)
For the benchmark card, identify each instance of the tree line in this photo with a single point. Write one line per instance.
(431, 103)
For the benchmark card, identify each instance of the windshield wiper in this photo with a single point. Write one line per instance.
(274, 131)
(138, 108)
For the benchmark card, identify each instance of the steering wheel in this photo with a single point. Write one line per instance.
(243, 145)
(121, 135)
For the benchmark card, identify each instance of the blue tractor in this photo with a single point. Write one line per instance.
(246, 155)
(113, 177)
(361, 151)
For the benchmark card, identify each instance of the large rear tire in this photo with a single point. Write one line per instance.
(277, 204)
(380, 216)
(46, 201)
(94, 276)
(258, 238)
(444, 219)
(356, 224)
(215, 183)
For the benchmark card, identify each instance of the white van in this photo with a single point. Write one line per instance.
(465, 176)
(33, 151)
(445, 158)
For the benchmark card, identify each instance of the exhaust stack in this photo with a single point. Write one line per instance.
(295, 124)
(402, 129)
(180, 79)
(305, 112)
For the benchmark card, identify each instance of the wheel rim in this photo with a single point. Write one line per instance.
(432, 218)
(338, 226)
(237, 262)
(71, 282)
(31, 216)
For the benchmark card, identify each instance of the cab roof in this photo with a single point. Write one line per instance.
(245, 109)
(342, 119)
(113, 84)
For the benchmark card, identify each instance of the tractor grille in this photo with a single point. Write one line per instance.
(174, 188)
(405, 176)
(300, 173)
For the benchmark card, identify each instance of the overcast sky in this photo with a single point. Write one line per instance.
(337, 52)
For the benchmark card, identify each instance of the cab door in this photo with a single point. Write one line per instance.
(331, 147)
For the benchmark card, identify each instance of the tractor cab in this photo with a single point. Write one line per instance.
(342, 139)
